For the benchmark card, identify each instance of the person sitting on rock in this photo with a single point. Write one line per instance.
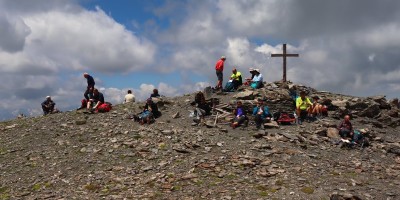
(202, 107)
(316, 108)
(240, 115)
(257, 80)
(261, 114)
(248, 80)
(150, 112)
(96, 100)
(346, 128)
(129, 98)
(155, 94)
(48, 106)
(303, 105)
(236, 78)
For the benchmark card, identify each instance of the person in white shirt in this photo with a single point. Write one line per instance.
(129, 98)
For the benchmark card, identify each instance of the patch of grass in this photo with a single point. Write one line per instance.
(307, 190)
(263, 193)
(261, 187)
(176, 187)
(198, 182)
(273, 190)
(47, 185)
(162, 146)
(137, 136)
(231, 176)
(36, 187)
(91, 187)
(3, 189)
(4, 196)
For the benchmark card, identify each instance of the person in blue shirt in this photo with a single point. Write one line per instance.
(261, 113)
(257, 79)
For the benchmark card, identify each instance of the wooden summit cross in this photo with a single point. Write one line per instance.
(284, 55)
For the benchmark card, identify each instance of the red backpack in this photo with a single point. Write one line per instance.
(105, 107)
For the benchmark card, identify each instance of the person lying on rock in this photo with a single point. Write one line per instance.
(257, 80)
(303, 106)
(240, 115)
(48, 106)
(261, 113)
(346, 128)
(96, 100)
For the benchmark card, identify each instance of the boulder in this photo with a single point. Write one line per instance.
(342, 103)
(371, 112)
(357, 105)
(333, 133)
(381, 100)
(245, 95)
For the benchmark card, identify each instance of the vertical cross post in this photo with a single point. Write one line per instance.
(284, 55)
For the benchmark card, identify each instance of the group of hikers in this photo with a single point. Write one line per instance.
(305, 109)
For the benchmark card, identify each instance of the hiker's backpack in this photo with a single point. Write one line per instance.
(229, 87)
(286, 118)
(105, 107)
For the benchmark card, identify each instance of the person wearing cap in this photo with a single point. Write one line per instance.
(129, 98)
(303, 105)
(257, 80)
(261, 113)
(219, 68)
(236, 78)
(90, 85)
(96, 100)
(48, 106)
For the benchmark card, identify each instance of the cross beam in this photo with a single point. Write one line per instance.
(284, 55)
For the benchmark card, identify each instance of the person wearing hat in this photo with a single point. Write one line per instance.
(90, 85)
(257, 80)
(48, 106)
(150, 111)
(303, 105)
(248, 80)
(219, 68)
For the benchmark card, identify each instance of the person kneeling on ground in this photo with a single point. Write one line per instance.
(256, 83)
(345, 128)
(240, 115)
(48, 106)
(261, 114)
(303, 106)
(96, 100)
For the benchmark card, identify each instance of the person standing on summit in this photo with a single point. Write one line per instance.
(219, 68)
(90, 85)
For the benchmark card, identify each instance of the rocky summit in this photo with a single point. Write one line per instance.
(74, 155)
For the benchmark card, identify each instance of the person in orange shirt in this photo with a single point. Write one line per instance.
(219, 68)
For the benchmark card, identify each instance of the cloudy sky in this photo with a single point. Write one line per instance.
(350, 47)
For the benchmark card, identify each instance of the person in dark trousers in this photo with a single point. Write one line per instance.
(240, 115)
(155, 94)
(346, 128)
(219, 68)
(96, 100)
(48, 106)
(90, 85)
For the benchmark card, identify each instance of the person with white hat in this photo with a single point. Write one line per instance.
(219, 68)
(248, 80)
(257, 80)
(48, 106)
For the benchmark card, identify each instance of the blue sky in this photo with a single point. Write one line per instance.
(173, 45)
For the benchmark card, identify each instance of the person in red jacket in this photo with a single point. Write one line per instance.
(219, 68)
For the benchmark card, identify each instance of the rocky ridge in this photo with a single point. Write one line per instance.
(73, 155)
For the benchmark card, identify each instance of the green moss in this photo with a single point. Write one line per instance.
(263, 193)
(3, 189)
(36, 187)
(176, 187)
(4, 196)
(307, 190)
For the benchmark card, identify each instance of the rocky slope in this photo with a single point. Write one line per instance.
(74, 155)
